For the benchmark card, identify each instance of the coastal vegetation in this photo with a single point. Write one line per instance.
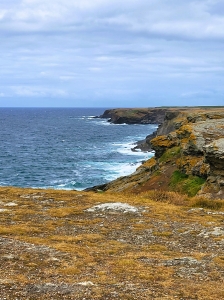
(185, 184)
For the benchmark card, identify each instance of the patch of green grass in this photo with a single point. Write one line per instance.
(177, 177)
(185, 184)
(169, 154)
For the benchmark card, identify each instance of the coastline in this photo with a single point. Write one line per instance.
(148, 241)
(189, 153)
(182, 145)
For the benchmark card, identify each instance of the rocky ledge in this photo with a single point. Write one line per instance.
(189, 154)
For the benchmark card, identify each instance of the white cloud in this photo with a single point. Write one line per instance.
(35, 91)
(103, 47)
(176, 19)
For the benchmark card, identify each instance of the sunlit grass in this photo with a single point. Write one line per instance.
(60, 239)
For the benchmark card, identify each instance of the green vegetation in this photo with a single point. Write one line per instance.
(169, 154)
(186, 184)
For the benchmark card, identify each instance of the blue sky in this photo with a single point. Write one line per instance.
(111, 53)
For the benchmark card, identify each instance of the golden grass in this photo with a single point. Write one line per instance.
(109, 249)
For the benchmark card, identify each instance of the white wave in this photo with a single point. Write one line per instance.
(122, 124)
(101, 122)
(125, 148)
(62, 184)
(105, 122)
(121, 169)
(90, 117)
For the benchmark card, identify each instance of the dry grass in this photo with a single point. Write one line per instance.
(50, 244)
(207, 203)
(167, 197)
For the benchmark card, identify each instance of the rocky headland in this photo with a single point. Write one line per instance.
(189, 151)
(135, 115)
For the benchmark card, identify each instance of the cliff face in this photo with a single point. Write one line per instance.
(189, 156)
(135, 115)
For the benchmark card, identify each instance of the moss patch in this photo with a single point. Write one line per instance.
(170, 154)
(183, 183)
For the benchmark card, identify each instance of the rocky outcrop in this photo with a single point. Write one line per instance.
(135, 115)
(189, 156)
(145, 145)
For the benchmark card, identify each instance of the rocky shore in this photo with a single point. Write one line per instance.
(189, 151)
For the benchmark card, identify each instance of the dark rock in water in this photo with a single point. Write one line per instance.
(145, 144)
(97, 188)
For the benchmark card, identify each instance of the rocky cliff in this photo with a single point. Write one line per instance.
(135, 115)
(189, 155)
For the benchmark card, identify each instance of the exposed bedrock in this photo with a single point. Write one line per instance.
(189, 155)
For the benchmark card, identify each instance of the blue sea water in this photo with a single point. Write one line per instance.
(65, 148)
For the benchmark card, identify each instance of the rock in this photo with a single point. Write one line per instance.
(3, 210)
(135, 115)
(161, 143)
(145, 145)
(117, 206)
(10, 204)
(214, 155)
(86, 283)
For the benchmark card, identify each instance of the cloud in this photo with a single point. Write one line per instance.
(35, 91)
(166, 19)
(108, 49)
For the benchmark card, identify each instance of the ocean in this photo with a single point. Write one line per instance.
(66, 148)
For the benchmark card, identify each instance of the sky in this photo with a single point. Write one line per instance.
(111, 53)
